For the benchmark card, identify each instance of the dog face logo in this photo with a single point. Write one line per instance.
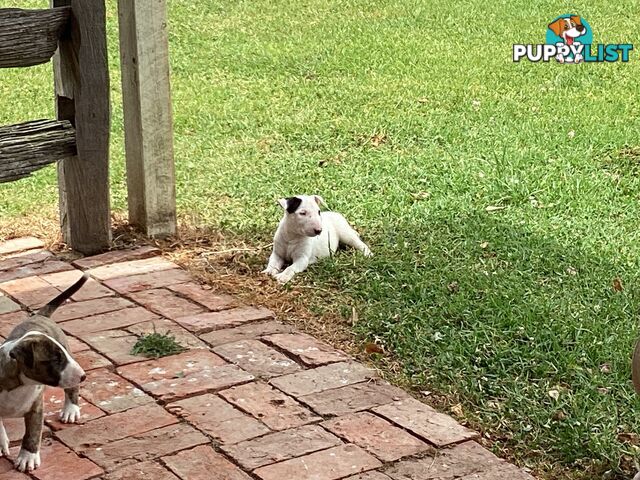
(568, 28)
(569, 31)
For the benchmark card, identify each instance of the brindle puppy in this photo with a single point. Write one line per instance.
(35, 355)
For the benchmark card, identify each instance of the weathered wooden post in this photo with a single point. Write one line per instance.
(144, 54)
(82, 97)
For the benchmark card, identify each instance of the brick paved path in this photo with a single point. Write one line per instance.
(251, 398)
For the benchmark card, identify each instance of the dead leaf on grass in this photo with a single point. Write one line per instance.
(378, 139)
(559, 416)
(629, 437)
(370, 348)
(617, 284)
(420, 196)
(494, 208)
(457, 410)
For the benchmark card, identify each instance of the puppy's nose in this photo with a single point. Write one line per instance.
(83, 377)
(317, 231)
(580, 28)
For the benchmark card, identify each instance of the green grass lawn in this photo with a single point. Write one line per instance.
(494, 308)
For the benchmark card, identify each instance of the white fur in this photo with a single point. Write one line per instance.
(27, 461)
(307, 235)
(70, 413)
(4, 441)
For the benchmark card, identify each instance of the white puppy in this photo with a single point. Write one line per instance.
(306, 234)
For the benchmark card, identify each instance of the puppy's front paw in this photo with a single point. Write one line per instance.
(284, 277)
(367, 253)
(27, 461)
(270, 271)
(70, 413)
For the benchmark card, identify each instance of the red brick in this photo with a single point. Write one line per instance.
(202, 463)
(447, 464)
(116, 427)
(280, 446)
(146, 447)
(7, 305)
(131, 267)
(108, 321)
(142, 471)
(369, 476)
(203, 295)
(275, 409)
(88, 308)
(21, 259)
(323, 378)
(8, 472)
(112, 393)
(250, 331)
(424, 421)
(53, 403)
(76, 346)
(136, 283)
(58, 462)
(207, 322)
(30, 291)
(8, 321)
(353, 398)
(20, 244)
(179, 376)
(114, 256)
(33, 269)
(376, 436)
(331, 464)
(215, 417)
(168, 327)
(90, 290)
(166, 303)
(116, 345)
(90, 360)
(307, 349)
(256, 358)
(503, 472)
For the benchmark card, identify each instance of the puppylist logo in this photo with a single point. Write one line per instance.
(570, 40)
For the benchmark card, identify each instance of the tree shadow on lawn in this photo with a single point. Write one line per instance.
(523, 327)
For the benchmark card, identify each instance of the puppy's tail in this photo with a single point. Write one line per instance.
(635, 368)
(51, 307)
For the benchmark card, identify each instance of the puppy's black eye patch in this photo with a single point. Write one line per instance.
(293, 203)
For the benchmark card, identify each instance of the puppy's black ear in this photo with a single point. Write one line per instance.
(23, 353)
(293, 203)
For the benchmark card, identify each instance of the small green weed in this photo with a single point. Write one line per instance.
(156, 345)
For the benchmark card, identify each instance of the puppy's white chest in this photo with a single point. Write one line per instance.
(15, 403)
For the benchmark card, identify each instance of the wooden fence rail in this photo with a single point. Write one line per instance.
(27, 147)
(30, 37)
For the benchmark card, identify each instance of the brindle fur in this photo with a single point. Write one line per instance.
(37, 360)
